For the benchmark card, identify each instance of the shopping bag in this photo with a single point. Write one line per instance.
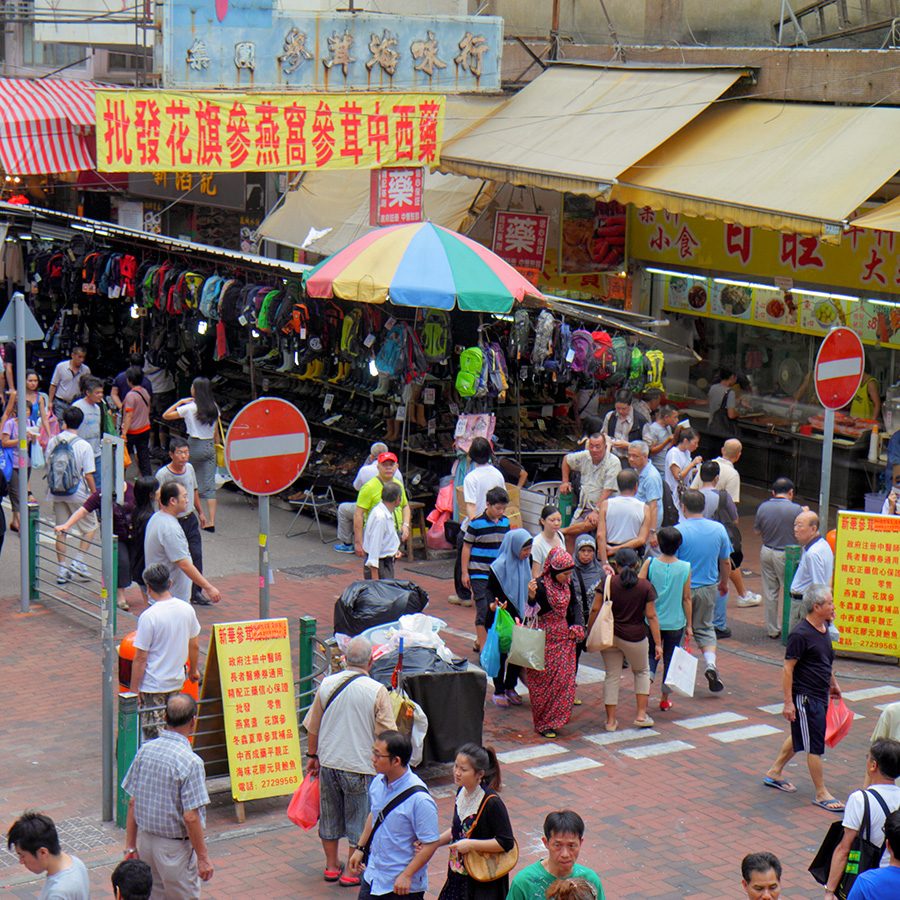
(37, 455)
(504, 624)
(601, 636)
(8, 462)
(527, 647)
(682, 672)
(126, 457)
(303, 810)
(490, 652)
(838, 721)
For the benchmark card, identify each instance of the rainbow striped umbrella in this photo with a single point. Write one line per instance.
(420, 265)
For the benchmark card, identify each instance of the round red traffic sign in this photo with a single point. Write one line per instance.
(839, 367)
(267, 446)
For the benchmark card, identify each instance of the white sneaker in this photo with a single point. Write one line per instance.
(80, 569)
(63, 575)
(749, 599)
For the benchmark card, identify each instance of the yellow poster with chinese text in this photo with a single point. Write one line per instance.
(150, 131)
(259, 707)
(866, 578)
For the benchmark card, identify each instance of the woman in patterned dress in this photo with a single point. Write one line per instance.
(480, 822)
(560, 616)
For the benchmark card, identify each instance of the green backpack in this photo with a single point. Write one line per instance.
(471, 361)
(436, 335)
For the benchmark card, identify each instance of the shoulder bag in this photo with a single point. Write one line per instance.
(219, 443)
(602, 632)
(376, 824)
(864, 855)
(482, 866)
(720, 425)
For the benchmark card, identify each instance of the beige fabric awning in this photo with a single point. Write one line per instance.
(798, 167)
(577, 128)
(883, 218)
(336, 204)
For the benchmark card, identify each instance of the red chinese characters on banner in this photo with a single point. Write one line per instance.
(396, 196)
(521, 238)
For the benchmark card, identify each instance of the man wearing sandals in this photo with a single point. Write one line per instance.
(809, 685)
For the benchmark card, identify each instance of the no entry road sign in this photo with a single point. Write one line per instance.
(839, 368)
(267, 446)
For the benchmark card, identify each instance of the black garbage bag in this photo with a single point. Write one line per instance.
(365, 604)
(416, 661)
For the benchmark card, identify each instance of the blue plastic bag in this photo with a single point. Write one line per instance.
(490, 652)
(9, 462)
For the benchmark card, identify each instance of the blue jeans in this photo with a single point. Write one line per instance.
(670, 640)
(97, 471)
(719, 616)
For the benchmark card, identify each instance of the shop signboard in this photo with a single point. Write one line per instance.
(521, 238)
(395, 196)
(160, 131)
(249, 670)
(225, 190)
(867, 583)
(276, 45)
(592, 235)
(865, 263)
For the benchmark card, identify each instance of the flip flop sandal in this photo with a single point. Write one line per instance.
(333, 874)
(833, 805)
(779, 784)
(550, 733)
(349, 881)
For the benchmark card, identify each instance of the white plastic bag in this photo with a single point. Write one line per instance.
(682, 672)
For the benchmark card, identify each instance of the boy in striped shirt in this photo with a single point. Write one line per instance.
(481, 545)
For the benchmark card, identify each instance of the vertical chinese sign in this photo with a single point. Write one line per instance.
(521, 239)
(160, 131)
(866, 581)
(395, 196)
(255, 675)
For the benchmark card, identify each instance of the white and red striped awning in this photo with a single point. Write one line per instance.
(46, 125)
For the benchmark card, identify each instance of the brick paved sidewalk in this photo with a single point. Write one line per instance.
(669, 812)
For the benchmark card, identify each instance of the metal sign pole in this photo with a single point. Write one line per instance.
(825, 485)
(264, 556)
(22, 472)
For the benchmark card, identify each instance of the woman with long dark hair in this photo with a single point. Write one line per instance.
(200, 414)
(146, 498)
(634, 609)
(480, 823)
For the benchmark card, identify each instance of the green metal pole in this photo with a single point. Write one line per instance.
(307, 634)
(791, 562)
(33, 513)
(126, 749)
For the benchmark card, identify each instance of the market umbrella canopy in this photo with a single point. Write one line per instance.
(420, 265)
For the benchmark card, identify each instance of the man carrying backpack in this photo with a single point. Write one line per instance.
(70, 481)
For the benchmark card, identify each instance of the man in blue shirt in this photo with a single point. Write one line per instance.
(883, 882)
(706, 546)
(395, 866)
(650, 488)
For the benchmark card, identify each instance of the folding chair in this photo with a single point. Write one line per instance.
(317, 501)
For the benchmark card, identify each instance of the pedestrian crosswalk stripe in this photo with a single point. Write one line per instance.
(720, 718)
(774, 709)
(883, 690)
(646, 750)
(527, 753)
(467, 635)
(885, 705)
(618, 737)
(743, 734)
(564, 767)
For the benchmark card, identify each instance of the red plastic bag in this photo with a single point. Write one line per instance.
(303, 810)
(837, 722)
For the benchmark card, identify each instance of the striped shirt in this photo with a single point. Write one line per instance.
(166, 779)
(485, 535)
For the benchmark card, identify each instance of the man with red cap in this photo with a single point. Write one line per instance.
(370, 496)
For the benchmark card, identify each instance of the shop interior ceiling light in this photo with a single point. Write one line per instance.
(749, 284)
(677, 274)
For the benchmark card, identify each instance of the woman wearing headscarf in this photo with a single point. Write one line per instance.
(586, 576)
(559, 616)
(508, 589)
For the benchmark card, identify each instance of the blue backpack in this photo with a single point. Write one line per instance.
(389, 360)
(63, 476)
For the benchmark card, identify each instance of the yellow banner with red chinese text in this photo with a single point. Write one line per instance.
(866, 582)
(184, 131)
(258, 705)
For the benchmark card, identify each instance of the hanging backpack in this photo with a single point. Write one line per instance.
(499, 375)
(416, 362)
(602, 363)
(350, 342)
(582, 350)
(543, 339)
(471, 362)
(389, 359)
(519, 334)
(562, 343)
(63, 476)
(637, 371)
(622, 361)
(436, 336)
(656, 366)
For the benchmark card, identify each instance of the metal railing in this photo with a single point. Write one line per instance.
(315, 662)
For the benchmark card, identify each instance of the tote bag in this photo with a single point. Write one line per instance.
(682, 672)
(601, 636)
(527, 647)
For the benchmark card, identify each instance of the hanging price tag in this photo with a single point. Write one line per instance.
(303, 333)
(570, 355)
(432, 427)
(326, 403)
(391, 322)
(400, 414)
(428, 396)
(370, 339)
(460, 427)
(454, 409)
(320, 446)
(541, 424)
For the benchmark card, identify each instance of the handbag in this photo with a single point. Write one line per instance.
(220, 444)
(863, 855)
(527, 646)
(482, 866)
(682, 672)
(602, 633)
(719, 423)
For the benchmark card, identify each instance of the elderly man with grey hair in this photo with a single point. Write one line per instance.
(345, 512)
(348, 711)
(809, 684)
(650, 489)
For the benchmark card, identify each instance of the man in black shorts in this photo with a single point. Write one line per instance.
(809, 684)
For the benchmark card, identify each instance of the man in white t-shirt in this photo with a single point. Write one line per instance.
(168, 633)
(34, 839)
(624, 520)
(70, 481)
(882, 771)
